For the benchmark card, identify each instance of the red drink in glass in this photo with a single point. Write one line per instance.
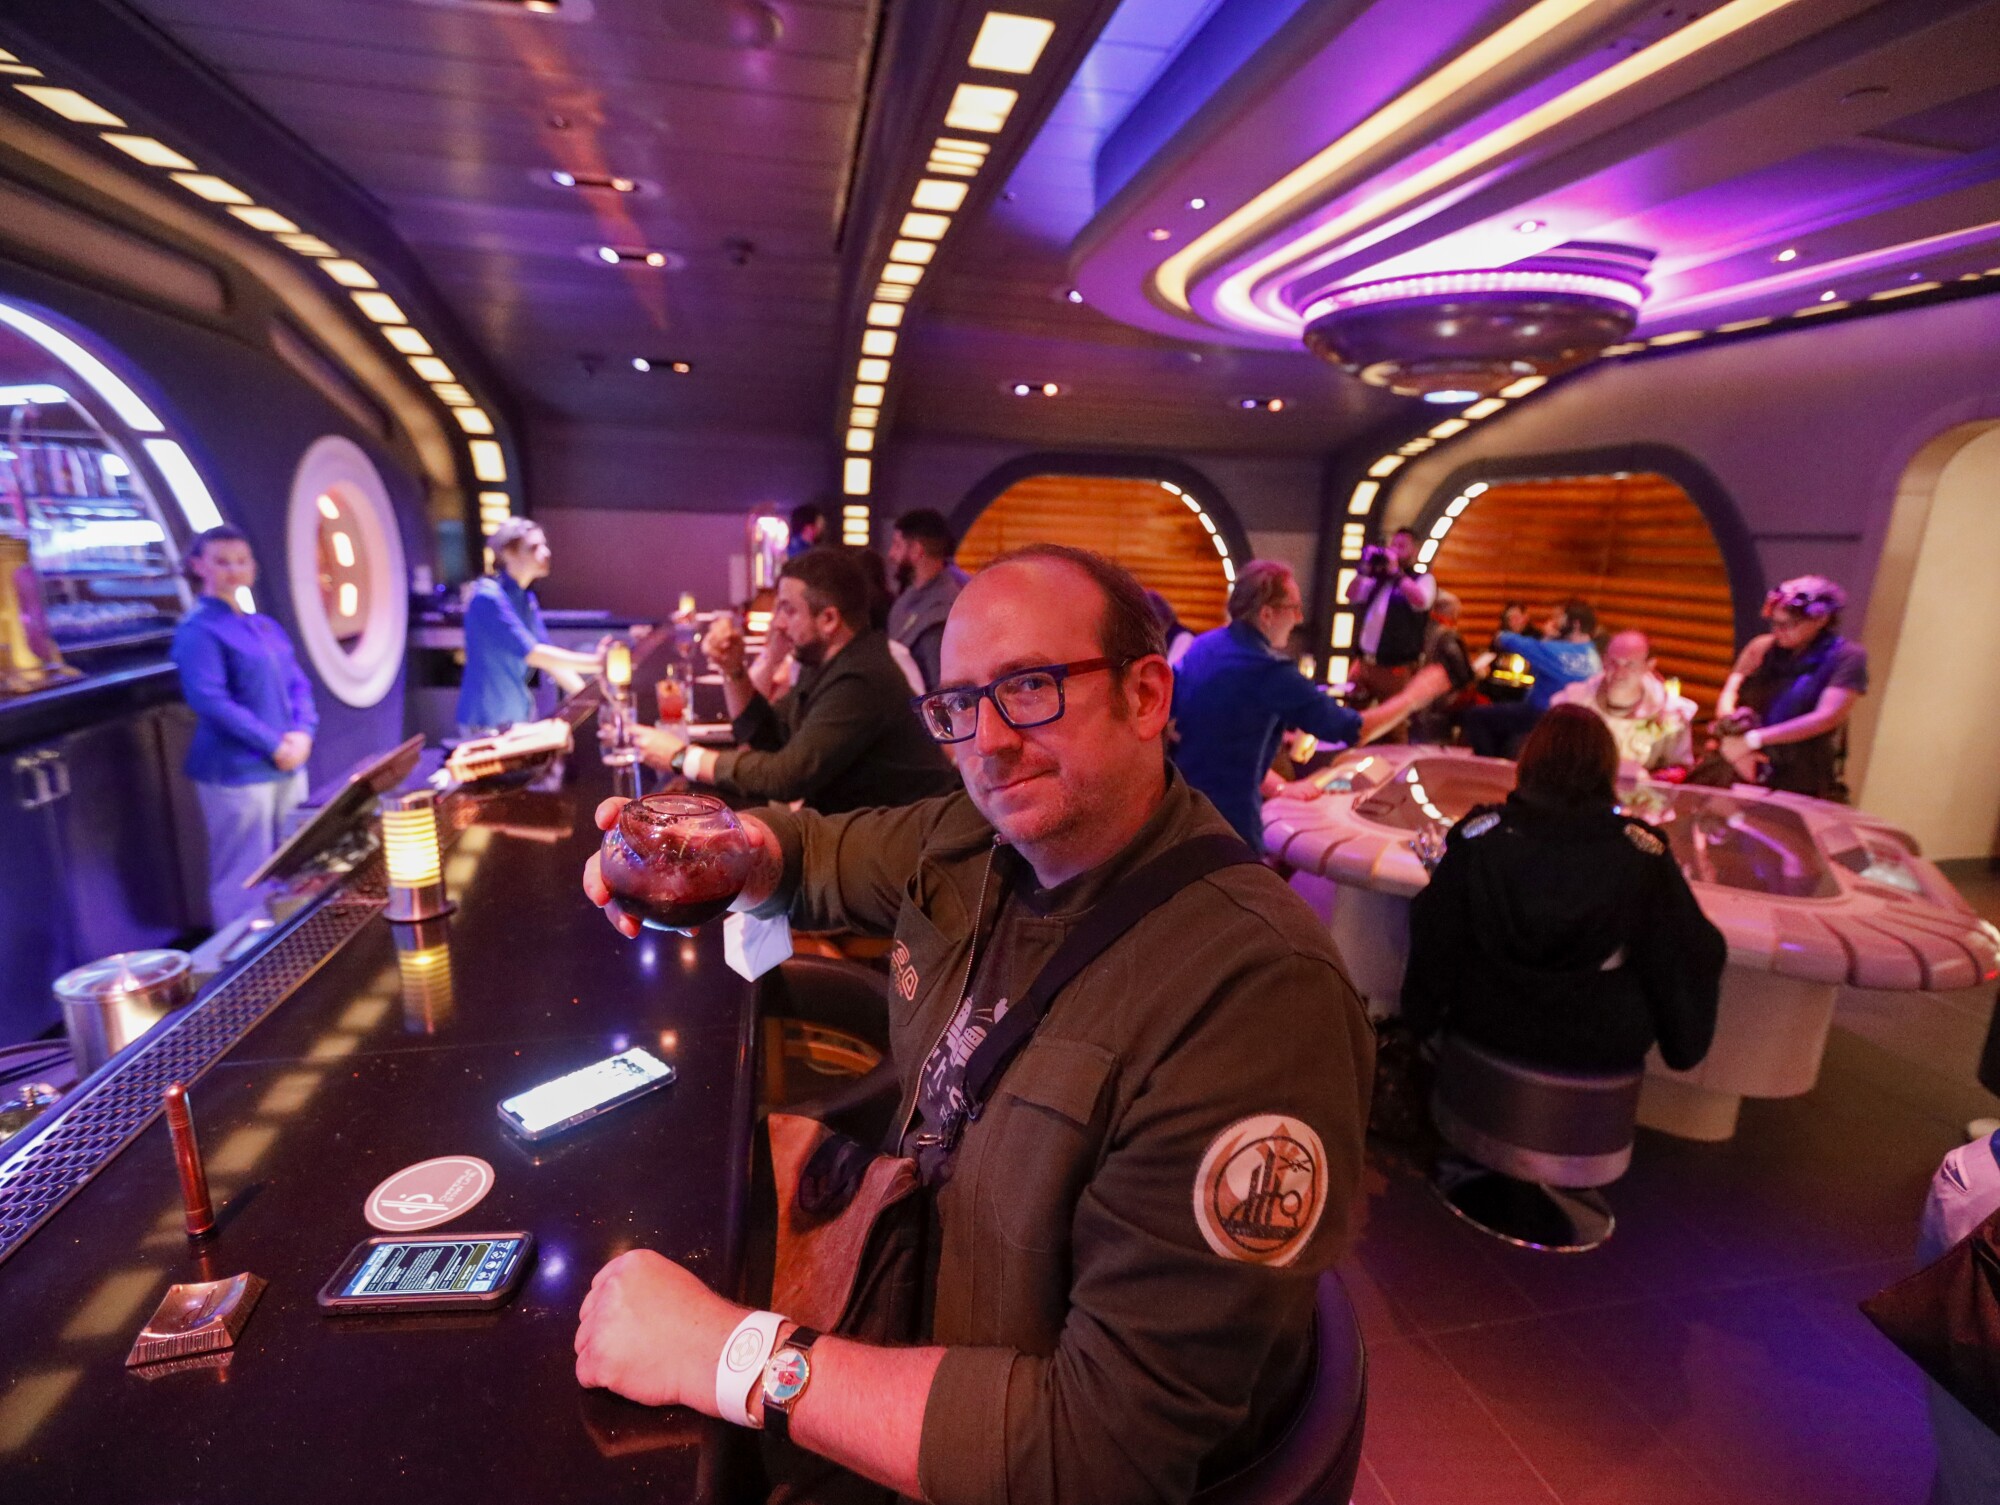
(673, 700)
(675, 861)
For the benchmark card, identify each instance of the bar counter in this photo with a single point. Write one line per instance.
(381, 1057)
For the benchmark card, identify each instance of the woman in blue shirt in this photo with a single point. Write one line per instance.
(254, 718)
(505, 639)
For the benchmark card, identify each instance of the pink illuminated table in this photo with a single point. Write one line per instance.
(1814, 899)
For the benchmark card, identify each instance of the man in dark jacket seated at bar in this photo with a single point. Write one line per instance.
(1130, 1230)
(1559, 932)
(845, 737)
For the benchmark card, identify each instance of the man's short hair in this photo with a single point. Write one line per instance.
(511, 532)
(832, 577)
(803, 517)
(1579, 613)
(1128, 630)
(927, 526)
(1259, 584)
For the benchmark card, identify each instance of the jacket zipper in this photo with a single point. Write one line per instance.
(965, 983)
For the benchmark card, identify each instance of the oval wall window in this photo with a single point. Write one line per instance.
(349, 585)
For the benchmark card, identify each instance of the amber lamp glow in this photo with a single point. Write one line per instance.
(618, 666)
(410, 847)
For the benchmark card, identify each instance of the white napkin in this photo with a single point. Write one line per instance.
(752, 946)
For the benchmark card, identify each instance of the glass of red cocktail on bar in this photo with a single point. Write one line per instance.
(675, 861)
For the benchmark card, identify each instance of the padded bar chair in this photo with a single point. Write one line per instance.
(1316, 1460)
(1538, 1141)
(826, 1044)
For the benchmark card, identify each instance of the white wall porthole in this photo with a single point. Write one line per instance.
(350, 589)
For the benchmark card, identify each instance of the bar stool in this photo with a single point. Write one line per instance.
(1538, 1141)
(826, 1044)
(1316, 1460)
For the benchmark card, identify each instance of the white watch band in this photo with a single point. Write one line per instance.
(696, 764)
(1753, 739)
(739, 1369)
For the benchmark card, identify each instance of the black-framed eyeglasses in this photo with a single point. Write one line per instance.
(1025, 698)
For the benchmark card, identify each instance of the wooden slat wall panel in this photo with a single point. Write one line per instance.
(1149, 531)
(1636, 547)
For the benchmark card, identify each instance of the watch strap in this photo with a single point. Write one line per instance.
(778, 1408)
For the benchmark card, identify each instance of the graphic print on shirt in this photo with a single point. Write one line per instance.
(1261, 1189)
(941, 1086)
(906, 975)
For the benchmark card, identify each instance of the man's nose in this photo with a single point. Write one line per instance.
(991, 733)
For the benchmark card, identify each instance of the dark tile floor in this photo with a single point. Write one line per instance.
(1711, 1353)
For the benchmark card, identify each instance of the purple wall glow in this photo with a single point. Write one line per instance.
(1808, 431)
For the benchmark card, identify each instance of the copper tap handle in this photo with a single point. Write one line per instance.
(200, 1212)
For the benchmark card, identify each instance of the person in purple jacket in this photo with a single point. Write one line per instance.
(254, 718)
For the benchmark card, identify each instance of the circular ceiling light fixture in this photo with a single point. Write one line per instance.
(1197, 203)
(1261, 404)
(1466, 334)
(1159, 232)
(1790, 253)
(1035, 389)
(1532, 226)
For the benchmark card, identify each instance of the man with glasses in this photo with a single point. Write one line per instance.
(1130, 1218)
(1236, 694)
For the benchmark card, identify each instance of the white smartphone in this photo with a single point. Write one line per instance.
(583, 1094)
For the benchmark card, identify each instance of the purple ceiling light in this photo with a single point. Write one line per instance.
(1478, 330)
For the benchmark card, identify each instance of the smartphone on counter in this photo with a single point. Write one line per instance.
(437, 1272)
(581, 1095)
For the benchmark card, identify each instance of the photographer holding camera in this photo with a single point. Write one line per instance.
(1395, 606)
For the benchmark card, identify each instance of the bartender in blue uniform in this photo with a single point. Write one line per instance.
(254, 718)
(506, 639)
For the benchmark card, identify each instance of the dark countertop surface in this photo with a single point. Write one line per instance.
(372, 1065)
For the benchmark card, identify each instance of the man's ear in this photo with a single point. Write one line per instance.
(1149, 694)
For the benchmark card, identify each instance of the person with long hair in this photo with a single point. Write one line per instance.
(1558, 931)
(254, 717)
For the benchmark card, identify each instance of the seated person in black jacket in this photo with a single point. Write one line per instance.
(1557, 931)
(846, 736)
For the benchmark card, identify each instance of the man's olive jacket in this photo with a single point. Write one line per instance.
(1134, 1226)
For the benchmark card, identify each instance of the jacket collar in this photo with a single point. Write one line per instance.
(1247, 634)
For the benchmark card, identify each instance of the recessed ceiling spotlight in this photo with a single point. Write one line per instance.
(1022, 389)
(626, 255)
(640, 363)
(1197, 203)
(1261, 404)
(1828, 296)
(651, 363)
(1073, 296)
(1530, 226)
(616, 184)
(1790, 253)
(1035, 389)
(1050, 389)
(1159, 232)
(1451, 394)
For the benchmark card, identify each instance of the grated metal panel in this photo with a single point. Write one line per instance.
(84, 1133)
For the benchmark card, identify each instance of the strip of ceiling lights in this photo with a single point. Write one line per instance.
(1252, 297)
(1006, 44)
(484, 455)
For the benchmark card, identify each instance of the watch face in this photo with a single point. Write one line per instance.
(786, 1377)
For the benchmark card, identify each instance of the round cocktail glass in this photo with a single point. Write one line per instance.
(675, 861)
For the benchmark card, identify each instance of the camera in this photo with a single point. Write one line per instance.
(1376, 562)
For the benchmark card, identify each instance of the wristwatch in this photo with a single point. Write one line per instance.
(785, 1380)
(678, 763)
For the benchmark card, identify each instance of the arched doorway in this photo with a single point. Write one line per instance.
(1924, 740)
(1159, 530)
(1633, 544)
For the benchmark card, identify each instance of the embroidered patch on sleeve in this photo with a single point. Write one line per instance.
(1261, 1189)
(1645, 840)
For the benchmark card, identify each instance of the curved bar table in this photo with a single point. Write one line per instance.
(1813, 897)
(362, 1048)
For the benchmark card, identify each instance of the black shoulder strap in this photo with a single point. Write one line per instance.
(1128, 902)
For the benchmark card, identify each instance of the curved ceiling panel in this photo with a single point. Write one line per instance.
(1770, 153)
